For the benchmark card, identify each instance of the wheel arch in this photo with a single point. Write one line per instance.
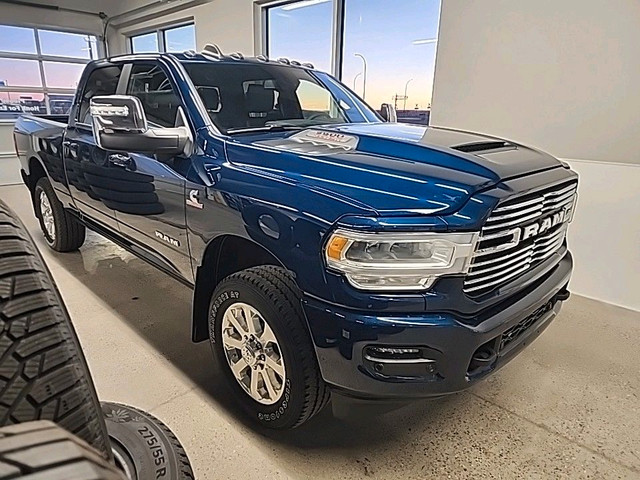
(224, 255)
(36, 172)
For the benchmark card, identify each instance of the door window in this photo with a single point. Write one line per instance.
(151, 85)
(102, 81)
(315, 100)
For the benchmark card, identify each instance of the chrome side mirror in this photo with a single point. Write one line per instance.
(388, 113)
(118, 113)
(120, 125)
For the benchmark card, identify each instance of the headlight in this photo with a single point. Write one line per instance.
(398, 261)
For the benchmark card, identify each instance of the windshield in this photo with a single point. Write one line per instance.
(246, 97)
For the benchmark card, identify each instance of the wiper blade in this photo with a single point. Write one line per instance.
(266, 128)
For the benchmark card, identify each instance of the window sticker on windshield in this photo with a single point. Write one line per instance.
(328, 139)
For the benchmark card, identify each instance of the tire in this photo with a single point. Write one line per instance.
(68, 233)
(43, 451)
(144, 447)
(271, 292)
(43, 373)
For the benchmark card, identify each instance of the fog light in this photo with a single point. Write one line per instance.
(394, 351)
(393, 363)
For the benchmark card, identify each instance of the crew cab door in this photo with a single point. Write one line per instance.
(153, 214)
(93, 179)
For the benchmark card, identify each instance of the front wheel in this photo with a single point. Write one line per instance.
(261, 342)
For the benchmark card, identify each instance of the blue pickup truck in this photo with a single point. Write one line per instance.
(330, 250)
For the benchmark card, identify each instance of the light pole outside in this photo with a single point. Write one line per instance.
(355, 80)
(364, 81)
(406, 86)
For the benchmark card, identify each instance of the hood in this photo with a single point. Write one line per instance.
(389, 167)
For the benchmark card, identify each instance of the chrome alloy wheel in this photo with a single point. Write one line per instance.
(253, 353)
(47, 216)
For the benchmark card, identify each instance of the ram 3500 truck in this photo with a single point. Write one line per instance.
(328, 250)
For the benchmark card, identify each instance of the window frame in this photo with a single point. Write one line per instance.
(41, 58)
(261, 32)
(174, 87)
(261, 40)
(76, 109)
(160, 35)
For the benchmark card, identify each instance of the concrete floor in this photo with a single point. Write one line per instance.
(567, 407)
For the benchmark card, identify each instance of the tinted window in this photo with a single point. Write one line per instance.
(150, 84)
(102, 81)
(265, 94)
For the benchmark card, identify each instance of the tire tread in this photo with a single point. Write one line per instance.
(43, 373)
(42, 450)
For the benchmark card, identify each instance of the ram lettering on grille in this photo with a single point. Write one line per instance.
(521, 233)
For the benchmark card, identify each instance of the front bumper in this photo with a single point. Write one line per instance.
(459, 353)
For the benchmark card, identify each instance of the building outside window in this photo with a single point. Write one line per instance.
(383, 50)
(40, 69)
(173, 39)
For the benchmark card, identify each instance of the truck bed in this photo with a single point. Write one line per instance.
(44, 133)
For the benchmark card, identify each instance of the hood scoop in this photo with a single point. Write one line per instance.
(484, 147)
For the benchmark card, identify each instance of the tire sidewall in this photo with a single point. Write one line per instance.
(143, 443)
(41, 186)
(287, 410)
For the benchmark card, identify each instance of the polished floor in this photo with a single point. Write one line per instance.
(567, 407)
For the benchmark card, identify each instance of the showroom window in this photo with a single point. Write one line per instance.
(40, 69)
(174, 39)
(383, 50)
(301, 31)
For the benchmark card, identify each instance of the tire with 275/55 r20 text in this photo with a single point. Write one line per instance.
(262, 345)
(143, 446)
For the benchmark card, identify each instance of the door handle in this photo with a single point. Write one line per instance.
(120, 160)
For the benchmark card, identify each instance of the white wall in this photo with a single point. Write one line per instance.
(227, 23)
(561, 75)
(605, 234)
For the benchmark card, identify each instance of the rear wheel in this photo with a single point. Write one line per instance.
(62, 231)
(262, 345)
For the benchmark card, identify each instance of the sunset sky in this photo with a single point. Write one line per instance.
(398, 40)
(26, 73)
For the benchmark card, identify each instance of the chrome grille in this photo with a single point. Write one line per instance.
(500, 255)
